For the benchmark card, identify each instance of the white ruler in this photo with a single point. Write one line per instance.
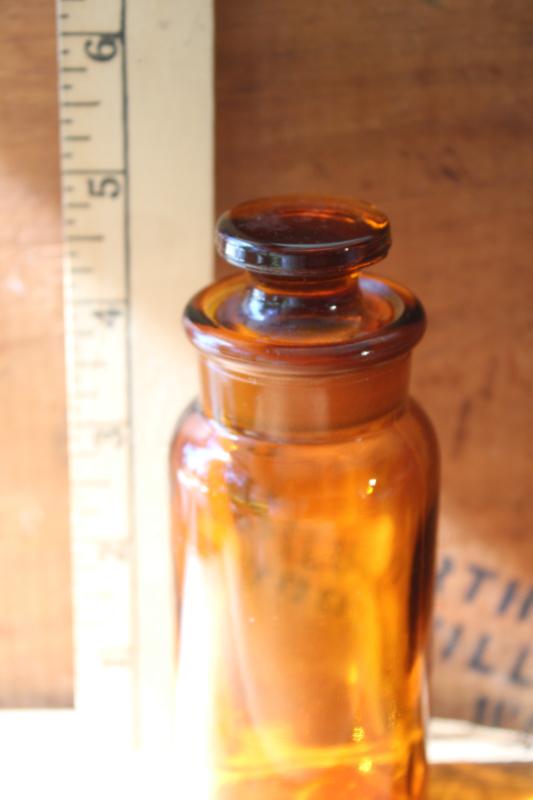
(124, 285)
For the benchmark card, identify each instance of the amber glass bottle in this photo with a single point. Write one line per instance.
(304, 486)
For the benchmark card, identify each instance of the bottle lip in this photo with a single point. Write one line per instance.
(390, 340)
(303, 235)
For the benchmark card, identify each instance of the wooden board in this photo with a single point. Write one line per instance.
(35, 613)
(426, 109)
(481, 782)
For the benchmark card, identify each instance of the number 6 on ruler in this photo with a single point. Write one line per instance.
(105, 48)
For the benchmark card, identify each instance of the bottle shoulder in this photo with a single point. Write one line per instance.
(192, 430)
(419, 428)
(405, 438)
(380, 473)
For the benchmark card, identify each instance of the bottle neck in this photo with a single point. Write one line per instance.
(283, 307)
(283, 405)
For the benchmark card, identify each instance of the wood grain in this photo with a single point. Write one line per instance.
(426, 109)
(481, 782)
(35, 614)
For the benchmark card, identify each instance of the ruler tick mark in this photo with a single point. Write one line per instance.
(85, 138)
(73, 69)
(93, 172)
(77, 205)
(80, 103)
(108, 34)
(66, 86)
(86, 238)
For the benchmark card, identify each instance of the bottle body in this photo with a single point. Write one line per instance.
(304, 545)
(304, 501)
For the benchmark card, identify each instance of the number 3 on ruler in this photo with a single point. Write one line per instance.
(103, 187)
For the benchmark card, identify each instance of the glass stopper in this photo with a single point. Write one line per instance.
(303, 235)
